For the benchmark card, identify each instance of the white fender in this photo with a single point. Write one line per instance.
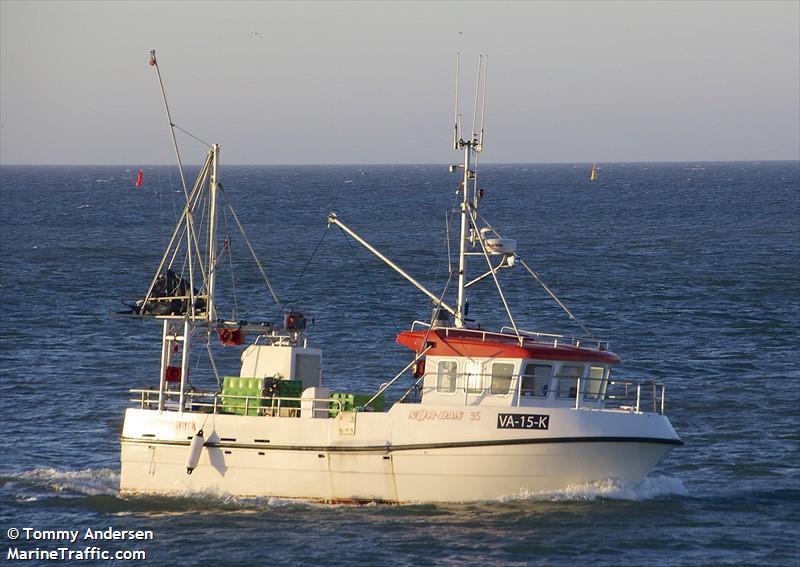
(195, 448)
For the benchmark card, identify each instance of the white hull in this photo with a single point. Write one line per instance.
(412, 453)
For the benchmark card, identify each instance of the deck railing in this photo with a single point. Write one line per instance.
(596, 393)
(637, 395)
(215, 402)
(549, 339)
(600, 393)
(561, 340)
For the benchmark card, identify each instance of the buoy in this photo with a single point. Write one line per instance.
(195, 449)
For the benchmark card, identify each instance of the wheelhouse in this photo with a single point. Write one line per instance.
(497, 369)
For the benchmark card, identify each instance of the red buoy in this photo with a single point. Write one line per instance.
(139, 179)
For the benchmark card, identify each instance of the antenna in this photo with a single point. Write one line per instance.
(455, 117)
(483, 104)
(477, 92)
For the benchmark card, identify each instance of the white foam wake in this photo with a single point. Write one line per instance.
(91, 482)
(648, 488)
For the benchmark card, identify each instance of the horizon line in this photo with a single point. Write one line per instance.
(386, 164)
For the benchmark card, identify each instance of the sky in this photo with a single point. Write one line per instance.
(374, 82)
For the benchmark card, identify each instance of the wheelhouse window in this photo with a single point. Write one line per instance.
(594, 382)
(501, 377)
(568, 380)
(446, 376)
(474, 381)
(536, 380)
(604, 388)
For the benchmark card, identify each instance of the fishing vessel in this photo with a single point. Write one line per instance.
(481, 414)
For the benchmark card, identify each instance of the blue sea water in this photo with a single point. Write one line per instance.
(691, 270)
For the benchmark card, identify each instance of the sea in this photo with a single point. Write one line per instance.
(690, 270)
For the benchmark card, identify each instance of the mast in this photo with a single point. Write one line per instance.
(177, 329)
(462, 247)
(212, 234)
(469, 193)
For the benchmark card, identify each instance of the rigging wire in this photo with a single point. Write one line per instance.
(409, 201)
(191, 135)
(434, 316)
(303, 271)
(372, 283)
(228, 245)
(447, 243)
(553, 296)
(159, 193)
(494, 275)
(253, 253)
(441, 255)
(172, 195)
(213, 364)
(448, 221)
(539, 280)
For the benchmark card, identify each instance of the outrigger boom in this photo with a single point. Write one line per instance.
(333, 219)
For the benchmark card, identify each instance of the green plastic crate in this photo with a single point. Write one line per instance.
(290, 389)
(350, 401)
(238, 386)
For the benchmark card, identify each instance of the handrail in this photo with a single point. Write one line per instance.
(149, 397)
(583, 394)
(574, 341)
(554, 339)
(639, 396)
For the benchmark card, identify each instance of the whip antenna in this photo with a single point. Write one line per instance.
(455, 116)
(483, 103)
(477, 93)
